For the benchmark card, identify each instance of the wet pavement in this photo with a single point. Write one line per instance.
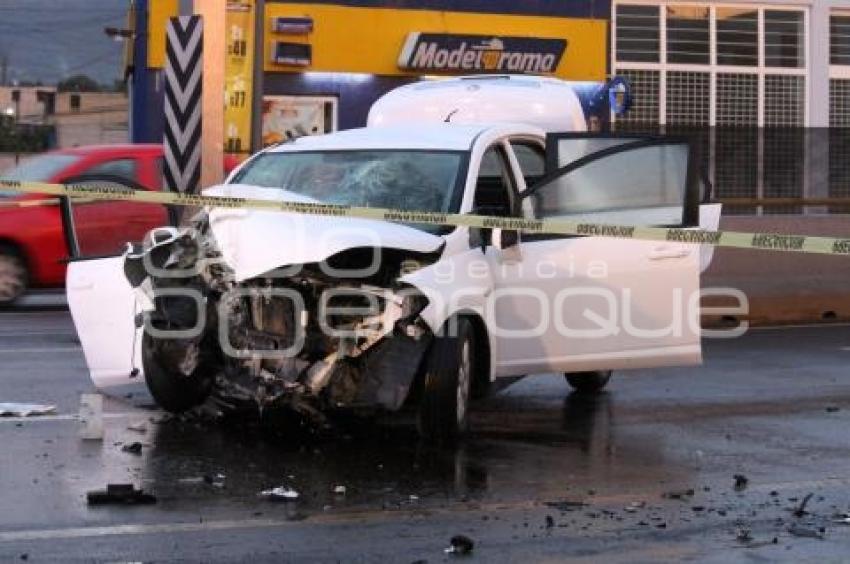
(644, 472)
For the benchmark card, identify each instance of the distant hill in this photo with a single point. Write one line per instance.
(47, 40)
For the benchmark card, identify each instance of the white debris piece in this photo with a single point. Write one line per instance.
(280, 493)
(91, 417)
(25, 409)
(340, 490)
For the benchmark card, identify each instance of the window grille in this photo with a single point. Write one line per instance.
(637, 33)
(688, 98)
(784, 100)
(737, 99)
(839, 102)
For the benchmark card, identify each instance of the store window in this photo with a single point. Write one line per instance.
(751, 72)
(737, 37)
(734, 77)
(784, 39)
(638, 33)
(839, 39)
(688, 35)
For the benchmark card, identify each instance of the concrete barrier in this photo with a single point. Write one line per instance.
(784, 287)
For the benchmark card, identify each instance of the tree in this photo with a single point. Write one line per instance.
(78, 83)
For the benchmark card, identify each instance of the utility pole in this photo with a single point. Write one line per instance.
(213, 13)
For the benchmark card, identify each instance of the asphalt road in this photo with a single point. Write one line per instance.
(641, 473)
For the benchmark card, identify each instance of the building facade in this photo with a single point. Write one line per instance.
(325, 62)
(765, 86)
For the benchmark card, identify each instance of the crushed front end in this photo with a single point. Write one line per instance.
(340, 333)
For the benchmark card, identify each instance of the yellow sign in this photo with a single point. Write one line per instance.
(159, 11)
(238, 76)
(371, 40)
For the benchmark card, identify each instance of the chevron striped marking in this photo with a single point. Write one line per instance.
(182, 135)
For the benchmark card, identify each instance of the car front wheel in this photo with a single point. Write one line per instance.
(588, 382)
(178, 375)
(449, 370)
(13, 277)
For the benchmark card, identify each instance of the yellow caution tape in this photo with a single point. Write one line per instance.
(732, 239)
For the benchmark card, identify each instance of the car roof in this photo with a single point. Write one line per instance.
(438, 136)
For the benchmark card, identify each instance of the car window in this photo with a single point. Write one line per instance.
(38, 169)
(122, 168)
(531, 159)
(494, 185)
(639, 186)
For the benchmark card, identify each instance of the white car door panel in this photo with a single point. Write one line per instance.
(583, 303)
(103, 306)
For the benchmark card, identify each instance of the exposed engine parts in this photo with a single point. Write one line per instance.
(296, 336)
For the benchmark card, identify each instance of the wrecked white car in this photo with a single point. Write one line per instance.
(325, 313)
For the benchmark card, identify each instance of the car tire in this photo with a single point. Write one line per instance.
(447, 385)
(14, 277)
(588, 382)
(173, 390)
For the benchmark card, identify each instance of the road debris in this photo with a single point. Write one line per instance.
(91, 417)
(679, 494)
(140, 427)
(119, 494)
(340, 490)
(634, 506)
(216, 481)
(741, 482)
(841, 518)
(566, 505)
(800, 510)
(460, 545)
(550, 522)
(744, 535)
(280, 493)
(133, 448)
(25, 409)
(807, 532)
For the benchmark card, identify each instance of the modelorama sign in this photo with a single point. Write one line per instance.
(480, 53)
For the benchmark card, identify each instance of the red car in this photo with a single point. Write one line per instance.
(33, 249)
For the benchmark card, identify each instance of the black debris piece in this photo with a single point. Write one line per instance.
(460, 545)
(832, 408)
(800, 510)
(550, 522)
(744, 535)
(679, 494)
(741, 482)
(133, 448)
(119, 494)
(566, 505)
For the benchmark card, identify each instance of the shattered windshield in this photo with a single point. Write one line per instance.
(407, 180)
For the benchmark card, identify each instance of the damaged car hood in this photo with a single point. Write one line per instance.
(253, 242)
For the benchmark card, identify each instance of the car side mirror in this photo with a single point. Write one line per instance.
(505, 238)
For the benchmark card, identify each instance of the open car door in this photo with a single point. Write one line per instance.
(102, 303)
(575, 303)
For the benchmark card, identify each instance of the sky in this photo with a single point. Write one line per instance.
(47, 40)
